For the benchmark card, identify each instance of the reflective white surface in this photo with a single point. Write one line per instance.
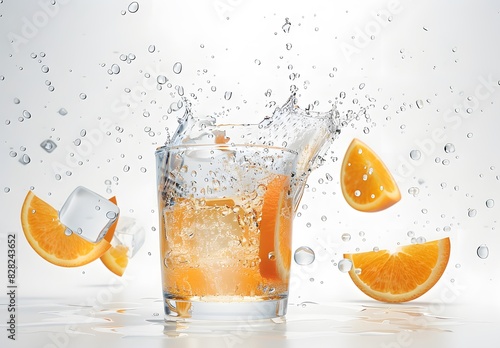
(138, 322)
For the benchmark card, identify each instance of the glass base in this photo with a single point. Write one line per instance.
(224, 310)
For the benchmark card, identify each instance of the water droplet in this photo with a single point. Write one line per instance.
(77, 142)
(271, 256)
(111, 215)
(483, 251)
(177, 67)
(288, 46)
(469, 135)
(324, 218)
(420, 104)
(6, 190)
(357, 193)
(414, 191)
(449, 148)
(133, 7)
(361, 86)
(346, 237)
(63, 111)
(421, 240)
(228, 95)
(257, 61)
(490, 203)
(161, 79)
(83, 96)
(25, 159)
(26, 114)
(286, 26)
(126, 168)
(45, 69)
(151, 48)
(17, 100)
(472, 212)
(304, 256)
(415, 154)
(68, 232)
(345, 265)
(48, 145)
(115, 69)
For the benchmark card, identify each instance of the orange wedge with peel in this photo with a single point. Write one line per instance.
(46, 235)
(403, 275)
(116, 259)
(275, 249)
(367, 184)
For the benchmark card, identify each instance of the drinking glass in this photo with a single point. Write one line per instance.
(226, 215)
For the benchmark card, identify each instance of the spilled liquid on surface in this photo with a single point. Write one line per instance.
(140, 319)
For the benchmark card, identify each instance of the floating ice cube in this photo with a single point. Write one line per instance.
(88, 214)
(130, 234)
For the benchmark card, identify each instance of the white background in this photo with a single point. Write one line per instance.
(444, 53)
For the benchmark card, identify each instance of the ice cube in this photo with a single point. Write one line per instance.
(88, 214)
(130, 234)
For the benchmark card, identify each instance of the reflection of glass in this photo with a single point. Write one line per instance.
(225, 230)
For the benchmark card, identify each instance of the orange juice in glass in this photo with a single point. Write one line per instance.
(226, 215)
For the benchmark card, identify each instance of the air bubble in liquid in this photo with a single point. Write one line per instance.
(490, 203)
(304, 256)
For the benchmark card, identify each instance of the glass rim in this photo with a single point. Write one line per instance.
(223, 146)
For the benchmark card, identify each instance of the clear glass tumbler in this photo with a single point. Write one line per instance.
(226, 215)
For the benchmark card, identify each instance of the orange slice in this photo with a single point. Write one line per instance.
(116, 259)
(367, 184)
(401, 276)
(47, 237)
(275, 249)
